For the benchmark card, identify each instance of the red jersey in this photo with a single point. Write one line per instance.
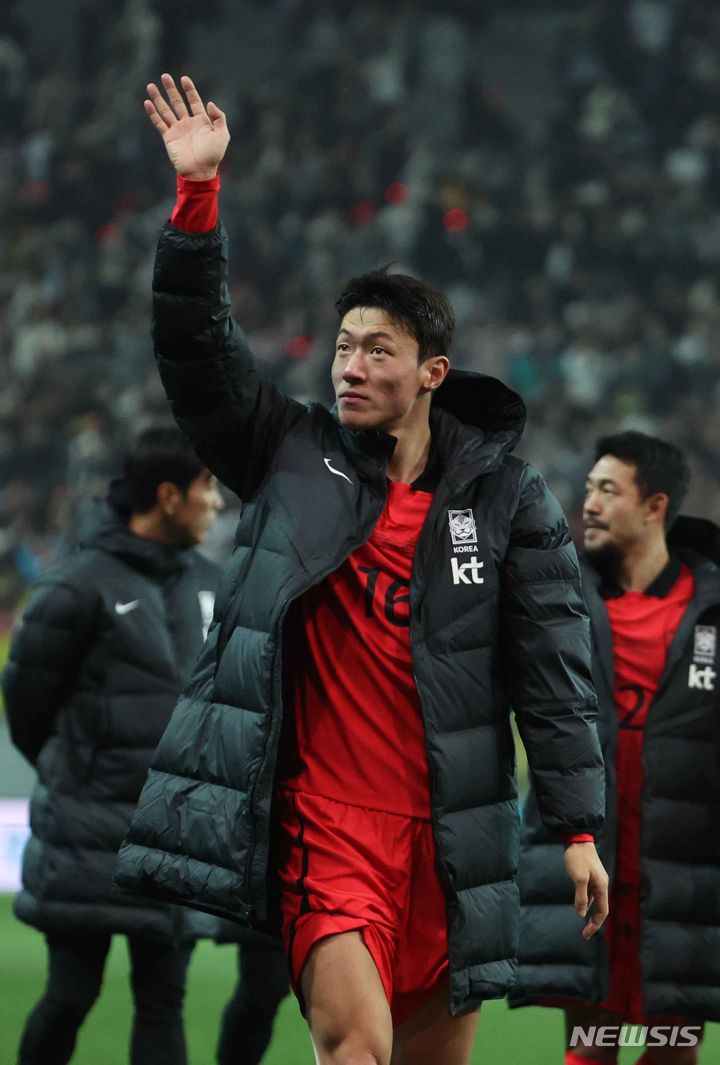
(356, 734)
(643, 625)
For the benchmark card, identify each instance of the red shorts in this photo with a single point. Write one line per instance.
(344, 868)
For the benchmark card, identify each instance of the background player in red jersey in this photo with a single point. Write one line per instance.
(653, 588)
(342, 758)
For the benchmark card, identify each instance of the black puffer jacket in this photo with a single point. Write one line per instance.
(496, 618)
(95, 668)
(680, 848)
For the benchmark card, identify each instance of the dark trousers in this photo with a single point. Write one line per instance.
(247, 1022)
(75, 975)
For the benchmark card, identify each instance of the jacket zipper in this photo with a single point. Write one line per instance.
(427, 542)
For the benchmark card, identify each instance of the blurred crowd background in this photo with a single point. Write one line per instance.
(554, 166)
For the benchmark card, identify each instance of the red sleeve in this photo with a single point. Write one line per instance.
(196, 207)
(577, 837)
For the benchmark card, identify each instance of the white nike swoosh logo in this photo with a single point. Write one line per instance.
(338, 473)
(125, 608)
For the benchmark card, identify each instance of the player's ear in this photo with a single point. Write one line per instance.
(436, 370)
(169, 497)
(657, 507)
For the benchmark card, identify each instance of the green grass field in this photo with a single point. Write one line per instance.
(525, 1037)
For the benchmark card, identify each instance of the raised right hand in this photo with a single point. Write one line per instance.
(195, 138)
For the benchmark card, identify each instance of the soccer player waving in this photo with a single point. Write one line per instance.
(341, 765)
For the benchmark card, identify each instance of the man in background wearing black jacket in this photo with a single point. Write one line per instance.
(95, 667)
(654, 600)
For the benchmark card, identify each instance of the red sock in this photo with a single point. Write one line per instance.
(644, 1060)
(571, 1058)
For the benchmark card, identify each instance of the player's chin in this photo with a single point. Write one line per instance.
(602, 551)
(595, 540)
(356, 419)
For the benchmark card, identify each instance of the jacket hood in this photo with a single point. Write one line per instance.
(103, 525)
(482, 402)
(696, 534)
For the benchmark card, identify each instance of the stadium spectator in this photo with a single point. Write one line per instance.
(95, 667)
(572, 212)
(653, 588)
(358, 786)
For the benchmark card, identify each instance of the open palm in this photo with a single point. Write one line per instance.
(195, 138)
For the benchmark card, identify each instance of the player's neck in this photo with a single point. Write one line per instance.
(411, 453)
(641, 564)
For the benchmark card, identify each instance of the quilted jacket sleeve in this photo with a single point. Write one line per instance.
(45, 654)
(232, 416)
(546, 647)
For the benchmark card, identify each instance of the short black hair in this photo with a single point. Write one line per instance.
(659, 466)
(160, 453)
(424, 312)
